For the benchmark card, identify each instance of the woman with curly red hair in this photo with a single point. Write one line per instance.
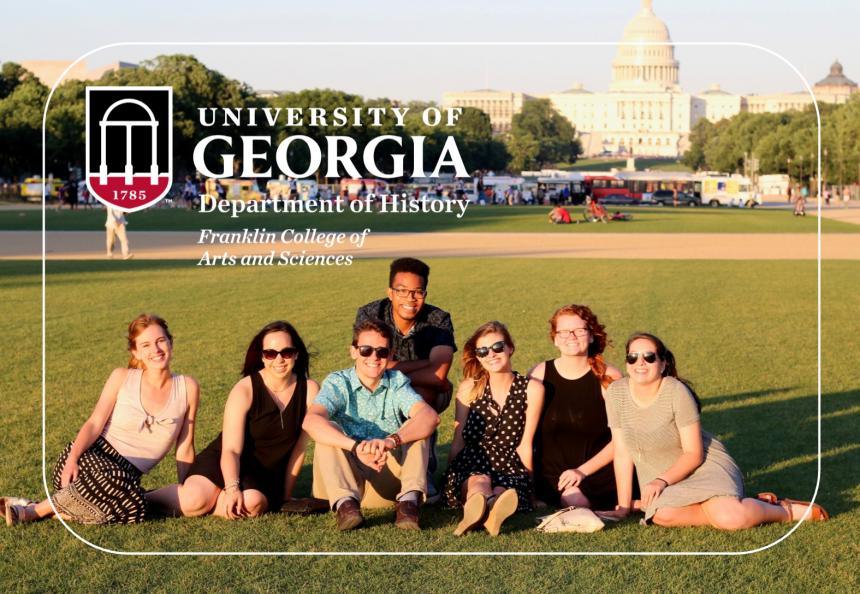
(573, 441)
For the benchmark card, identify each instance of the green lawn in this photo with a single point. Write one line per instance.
(744, 332)
(609, 163)
(525, 219)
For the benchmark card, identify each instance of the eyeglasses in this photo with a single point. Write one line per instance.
(285, 353)
(648, 356)
(497, 347)
(404, 293)
(577, 332)
(365, 350)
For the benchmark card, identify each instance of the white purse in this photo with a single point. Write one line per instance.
(571, 519)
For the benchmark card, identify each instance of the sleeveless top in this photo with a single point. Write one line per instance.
(572, 430)
(142, 438)
(271, 434)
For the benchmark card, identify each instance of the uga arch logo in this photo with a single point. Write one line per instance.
(129, 145)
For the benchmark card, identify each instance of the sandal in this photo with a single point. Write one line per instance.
(816, 512)
(768, 497)
(16, 514)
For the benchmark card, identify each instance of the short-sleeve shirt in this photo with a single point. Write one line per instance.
(432, 328)
(652, 433)
(363, 414)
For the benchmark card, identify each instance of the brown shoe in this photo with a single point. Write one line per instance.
(406, 515)
(349, 515)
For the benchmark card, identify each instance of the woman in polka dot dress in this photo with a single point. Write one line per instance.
(490, 463)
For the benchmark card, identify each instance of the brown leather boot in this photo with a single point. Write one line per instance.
(406, 515)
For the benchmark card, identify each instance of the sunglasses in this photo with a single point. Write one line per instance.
(648, 356)
(285, 353)
(365, 350)
(496, 347)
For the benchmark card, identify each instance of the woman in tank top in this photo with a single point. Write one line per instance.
(252, 466)
(686, 476)
(142, 412)
(573, 443)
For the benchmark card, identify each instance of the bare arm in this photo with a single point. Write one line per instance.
(297, 456)
(185, 442)
(428, 373)
(537, 372)
(460, 415)
(534, 395)
(94, 425)
(232, 441)
(323, 431)
(623, 466)
(421, 424)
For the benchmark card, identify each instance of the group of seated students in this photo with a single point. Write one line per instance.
(571, 432)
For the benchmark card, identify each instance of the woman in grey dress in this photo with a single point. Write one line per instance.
(686, 476)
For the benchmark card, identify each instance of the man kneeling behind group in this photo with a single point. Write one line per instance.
(369, 425)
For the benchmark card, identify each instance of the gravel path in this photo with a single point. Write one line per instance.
(84, 245)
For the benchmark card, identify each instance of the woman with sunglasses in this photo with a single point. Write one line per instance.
(252, 466)
(686, 476)
(490, 462)
(573, 443)
(143, 411)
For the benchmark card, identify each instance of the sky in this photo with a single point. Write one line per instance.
(808, 34)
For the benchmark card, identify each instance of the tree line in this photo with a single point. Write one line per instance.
(782, 143)
(539, 135)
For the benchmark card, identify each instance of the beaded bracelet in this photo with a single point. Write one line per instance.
(234, 484)
(396, 438)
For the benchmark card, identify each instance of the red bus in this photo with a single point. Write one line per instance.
(599, 185)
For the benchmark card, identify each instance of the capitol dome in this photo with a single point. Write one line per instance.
(646, 67)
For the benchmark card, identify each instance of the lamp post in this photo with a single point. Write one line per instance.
(788, 167)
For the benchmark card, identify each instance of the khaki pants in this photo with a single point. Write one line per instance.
(119, 232)
(338, 474)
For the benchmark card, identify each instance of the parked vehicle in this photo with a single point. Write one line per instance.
(725, 190)
(668, 197)
(617, 200)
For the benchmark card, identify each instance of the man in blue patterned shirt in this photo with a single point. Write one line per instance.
(423, 344)
(370, 425)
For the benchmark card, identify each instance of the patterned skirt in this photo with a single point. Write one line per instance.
(107, 490)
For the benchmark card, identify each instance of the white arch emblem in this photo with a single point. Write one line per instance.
(151, 123)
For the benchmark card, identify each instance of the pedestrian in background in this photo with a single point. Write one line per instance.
(115, 228)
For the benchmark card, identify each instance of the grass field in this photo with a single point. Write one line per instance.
(743, 331)
(526, 219)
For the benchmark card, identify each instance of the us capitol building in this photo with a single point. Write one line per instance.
(645, 112)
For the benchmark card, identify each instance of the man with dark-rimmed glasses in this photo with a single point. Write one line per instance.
(369, 425)
(423, 344)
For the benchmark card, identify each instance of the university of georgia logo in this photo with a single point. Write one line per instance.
(129, 145)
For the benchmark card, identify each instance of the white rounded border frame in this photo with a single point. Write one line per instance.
(439, 44)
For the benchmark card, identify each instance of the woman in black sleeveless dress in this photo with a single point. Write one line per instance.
(573, 461)
(252, 466)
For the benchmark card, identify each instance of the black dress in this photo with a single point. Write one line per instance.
(491, 437)
(572, 430)
(270, 436)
